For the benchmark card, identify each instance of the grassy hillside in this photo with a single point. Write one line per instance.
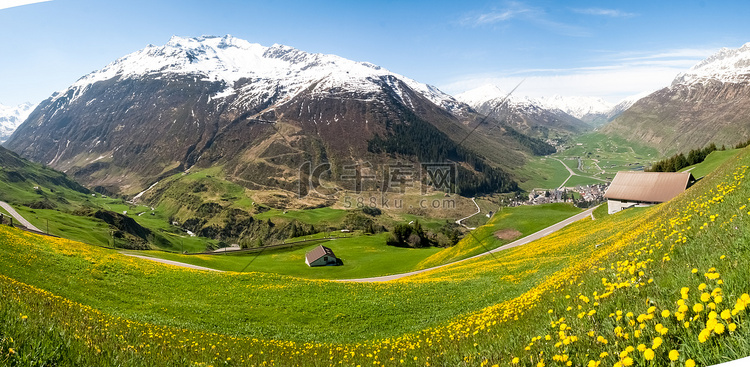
(641, 287)
(712, 161)
(507, 225)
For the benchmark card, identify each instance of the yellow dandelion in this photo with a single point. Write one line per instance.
(674, 355)
(648, 354)
(657, 342)
(690, 363)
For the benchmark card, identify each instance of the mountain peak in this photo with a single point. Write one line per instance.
(228, 59)
(11, 117)
(729, 65)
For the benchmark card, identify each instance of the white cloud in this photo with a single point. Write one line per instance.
(517, 10)
(605, 12)
(612, 81)
(13, 3)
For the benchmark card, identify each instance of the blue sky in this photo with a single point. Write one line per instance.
(609, 49)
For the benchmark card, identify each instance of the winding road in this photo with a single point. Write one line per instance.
(170, 262)
(463, 219)
(18, 217)
(532, 237)
(572, 173)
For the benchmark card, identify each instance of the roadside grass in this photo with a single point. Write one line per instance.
(594, 293)
(363, 257)
(523, 219)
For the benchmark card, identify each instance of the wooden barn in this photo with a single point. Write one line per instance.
(321, 256)
(634, 188)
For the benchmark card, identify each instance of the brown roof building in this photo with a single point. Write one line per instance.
(321, 256)
(632, 188)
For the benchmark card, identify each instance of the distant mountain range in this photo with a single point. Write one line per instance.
(260, 113)
(524, 114)
(548, 117)
(11, 117)
(708, 103)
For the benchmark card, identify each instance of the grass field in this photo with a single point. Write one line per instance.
(363, 256)
(663, 286)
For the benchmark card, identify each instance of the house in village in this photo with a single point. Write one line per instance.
(321, 256)
(635, 188)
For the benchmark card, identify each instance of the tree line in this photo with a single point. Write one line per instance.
(680, 161)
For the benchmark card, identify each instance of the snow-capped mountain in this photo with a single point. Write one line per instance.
(710, 102)
(578, 107)
(259, 112)
(523, 113)
(624, 104)
(283, 69)
(726, 66)
(11, 117)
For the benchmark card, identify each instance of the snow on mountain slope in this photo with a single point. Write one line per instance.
(11, 117)
(727, 65)
(229, 60)
(489, 92)
(624, 104)
(523, 113)
(577, 106)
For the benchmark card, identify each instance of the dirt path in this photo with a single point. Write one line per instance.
(170, 262)
(18, 217)
(463, 219)
(532, 237)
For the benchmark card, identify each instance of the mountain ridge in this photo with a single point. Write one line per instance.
(259, 112)
(705, 104)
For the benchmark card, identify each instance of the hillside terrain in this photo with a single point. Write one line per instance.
(706, 104)
(652, 284)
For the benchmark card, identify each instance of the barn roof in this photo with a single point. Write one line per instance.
(655, 187)
(317, 253)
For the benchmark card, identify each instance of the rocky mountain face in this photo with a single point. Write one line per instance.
(708, 103)
(11, 117)
(260, 113)
(524, 114)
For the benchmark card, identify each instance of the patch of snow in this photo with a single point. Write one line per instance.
(136, 197)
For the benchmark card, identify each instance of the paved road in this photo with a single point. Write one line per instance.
(18, 217)
(170, 262)
(532, 237)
